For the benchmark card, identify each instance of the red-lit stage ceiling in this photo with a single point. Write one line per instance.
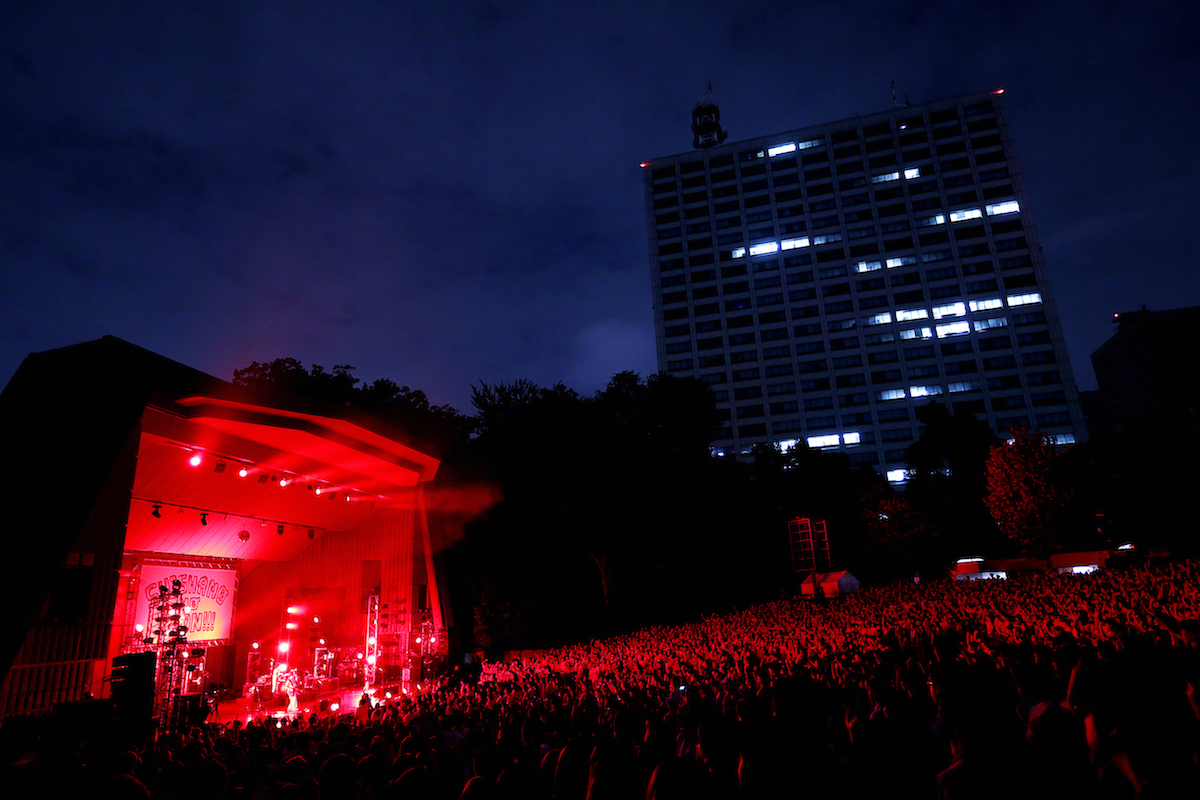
(226, 479)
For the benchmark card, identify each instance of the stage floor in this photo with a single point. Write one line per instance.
(346, 701)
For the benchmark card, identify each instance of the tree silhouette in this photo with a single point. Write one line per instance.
(1026, 496)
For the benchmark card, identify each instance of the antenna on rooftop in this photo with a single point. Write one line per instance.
(706, 122)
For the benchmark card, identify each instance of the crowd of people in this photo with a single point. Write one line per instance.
(1041, 685)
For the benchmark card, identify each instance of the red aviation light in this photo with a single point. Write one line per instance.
(644, 164)
(997, 91)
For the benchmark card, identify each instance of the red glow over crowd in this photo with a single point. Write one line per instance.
(1043, 685)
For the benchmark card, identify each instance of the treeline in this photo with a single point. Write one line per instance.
(610, 512)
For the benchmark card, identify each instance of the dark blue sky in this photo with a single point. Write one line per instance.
(443, 193)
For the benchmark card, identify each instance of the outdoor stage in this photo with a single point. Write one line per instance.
(224, 529)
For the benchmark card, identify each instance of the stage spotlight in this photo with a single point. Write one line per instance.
(292, 626)
(279, 530)
(321, 641)
(335, 706)
(220, 466)
(316, 620)
(243, 472)
(157, 512)
(283, 481)
(294, 609)
(139, 627)
(283, 647)
(195, 460)
(204, 519)
(254, 645)
(311, 533)
(318, 490)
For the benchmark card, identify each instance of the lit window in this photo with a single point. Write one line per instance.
(902, 261)
(892, 394)
(1024, 299)
(1062, 438)
(792, 244)
(994, 322)
(924, 391)
(912, 172)
(1084, 569)
(917, 333)
(1009, 207)
(868, 266)
(764, 248)
(878, 319)
(891, 176)
(936, 219)
(851, 437)
(829, 440)
(987, 305)
(737, 252)
(780, 149)
(953, 329)
(910, 314)
(810, 143)
(833, 237)
(964, 386)
(787, 444)
(896, 476)
(952, 310)
(965, 214)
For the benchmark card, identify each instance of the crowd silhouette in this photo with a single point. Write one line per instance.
(1042, 685)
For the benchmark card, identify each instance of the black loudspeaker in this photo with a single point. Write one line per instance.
(133, 693)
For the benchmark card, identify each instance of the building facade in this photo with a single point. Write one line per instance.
(828, 281)
(1150, 369)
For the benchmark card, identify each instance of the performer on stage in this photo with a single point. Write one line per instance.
(291, 685)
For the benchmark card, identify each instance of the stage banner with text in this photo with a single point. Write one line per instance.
(208, 596)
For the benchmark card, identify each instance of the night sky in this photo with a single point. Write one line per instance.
(447, 193)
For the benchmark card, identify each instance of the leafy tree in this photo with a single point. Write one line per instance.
(407, 409)
(948, 479)
(899, 535)
(1026, 496)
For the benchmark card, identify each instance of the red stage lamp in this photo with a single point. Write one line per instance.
(195, 460)
(370, 640)
(254, 645)
(316, 620)
(243, 472)
(283, 482)
(322, 641)
(334, 706)
(283, 647)
(293, 626)
(418, 640)
(294, 609)
(139, 627)
(371, 659)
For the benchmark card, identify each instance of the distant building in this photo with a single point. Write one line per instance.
(1150, 368)
(827, 281)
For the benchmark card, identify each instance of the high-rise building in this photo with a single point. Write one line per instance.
(1150, 369)
(828, 281)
